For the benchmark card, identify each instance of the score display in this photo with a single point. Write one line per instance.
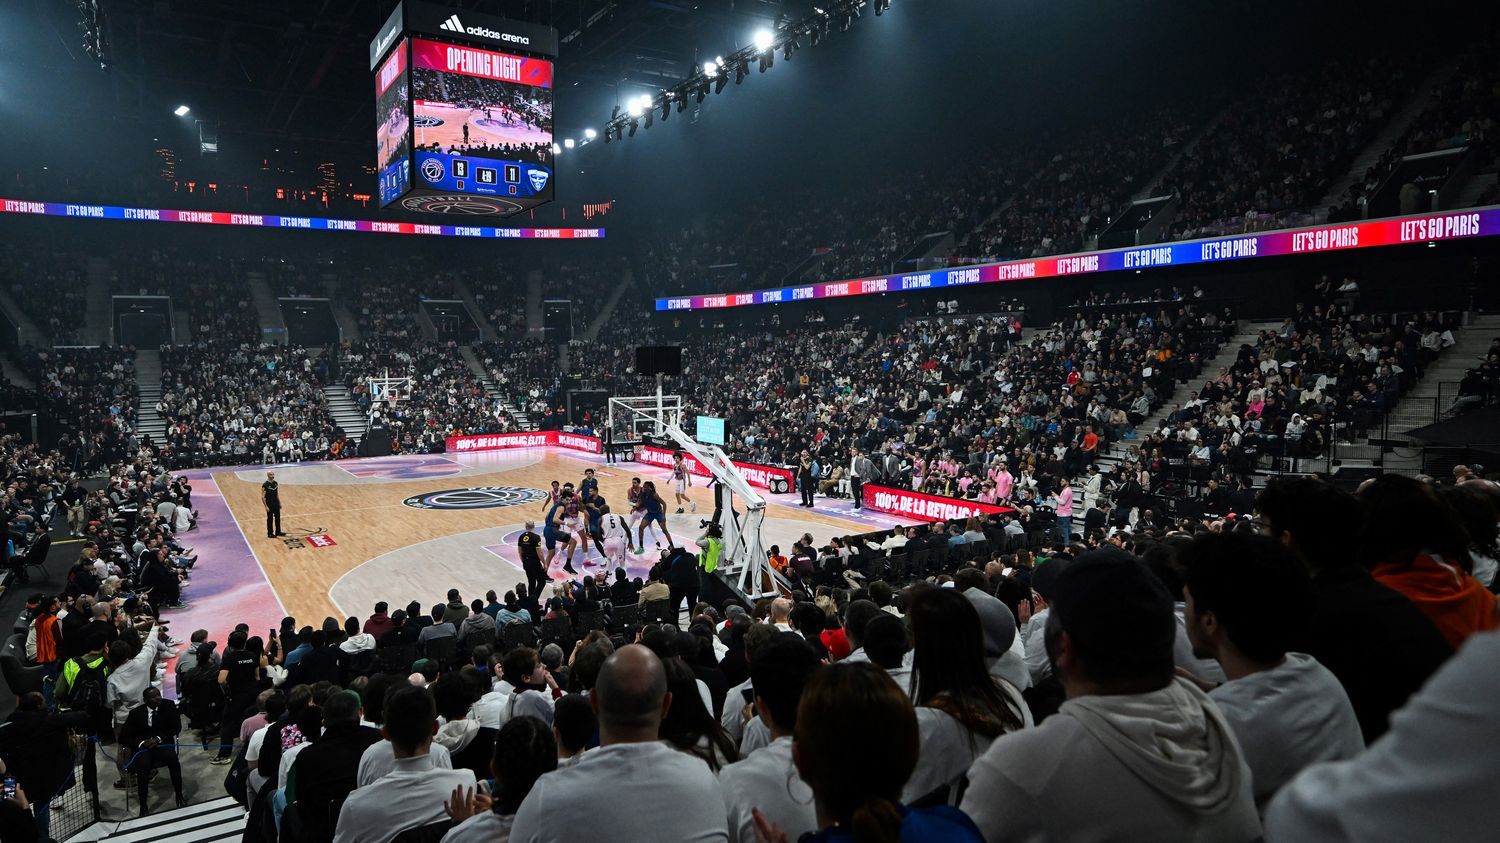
(393, 126)
(482, 123)
(710, 430)
(461, 128)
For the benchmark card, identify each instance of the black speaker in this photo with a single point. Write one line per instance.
(658, 359)
(557, 320)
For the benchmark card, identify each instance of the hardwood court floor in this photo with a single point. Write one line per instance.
(385, 549)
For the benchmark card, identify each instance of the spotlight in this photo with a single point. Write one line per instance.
(767, 59)
(719, 60)
(607, 133)
(634, 124)
(666, 108)
(615, 115)
(556, 149)
(650, 116)
(764, 40)
(719, 85)
(181, 110)
(710, 69)
(701, 93)
(590, 134)
(568, 144)
(633, 108)
(682, 102)
(741, 70)
(791, 46)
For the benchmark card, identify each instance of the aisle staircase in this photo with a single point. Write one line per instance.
(491, 389)
(471, 304)
(345, 412)
(30, 333)
(99, 307)
(148, 392)
(267, 309)
(591, 331)
(219, 820)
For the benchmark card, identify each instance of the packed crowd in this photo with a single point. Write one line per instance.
(1019, 679)
(1324, 374)
(89, 396)
(1086, 182)
(240, 404)
(442, 396)
(49, 285)
(211, 289)
(1260, 165)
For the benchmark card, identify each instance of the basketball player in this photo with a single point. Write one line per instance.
(635, 495)
(681, 480)
(589, 484)
(656, 510)
(575, 528)
(552, 533)
(616, 539)
(552, 497)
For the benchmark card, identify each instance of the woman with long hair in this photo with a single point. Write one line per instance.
(524, 751)
(855, 744)
(961, 706)
(688, 726)
(1415, 543)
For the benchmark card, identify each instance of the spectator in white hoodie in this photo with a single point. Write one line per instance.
(131, 674)
(1133, 748)
(1248, 600)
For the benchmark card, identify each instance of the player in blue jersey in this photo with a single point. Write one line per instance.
(553, 532)
(655, 510)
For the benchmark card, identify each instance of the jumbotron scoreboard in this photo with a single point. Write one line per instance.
(463, 107)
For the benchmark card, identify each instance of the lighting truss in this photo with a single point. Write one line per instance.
(787, 35)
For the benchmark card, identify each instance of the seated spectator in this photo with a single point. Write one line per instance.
(1416, 544)
(1377, 642)
(1132, 743)
(857, 782)
(1431, 776)
(961, 707)
(524, 752)
(412, 794)
(147, 737)
(766, 781)
(327, 771)
(656, 792)
(1248, 600)
(573, 726)
(35, 748)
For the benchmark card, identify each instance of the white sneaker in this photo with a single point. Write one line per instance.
(692, 506)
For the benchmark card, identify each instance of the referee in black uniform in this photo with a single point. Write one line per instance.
(270, 495)
(529, 546)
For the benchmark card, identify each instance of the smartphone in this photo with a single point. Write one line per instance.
(8, 788)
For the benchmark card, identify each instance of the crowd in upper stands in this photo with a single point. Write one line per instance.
(50, 286)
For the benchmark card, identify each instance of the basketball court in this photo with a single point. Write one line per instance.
(444, 124)
(410, 527)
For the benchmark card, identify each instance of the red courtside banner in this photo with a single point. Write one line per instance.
(499, 441)
(924, 506)
(579, 442)
(486, 64)
(755, 473)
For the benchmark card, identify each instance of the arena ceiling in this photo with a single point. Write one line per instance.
(296, 70)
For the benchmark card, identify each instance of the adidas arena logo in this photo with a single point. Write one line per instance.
(453, 24)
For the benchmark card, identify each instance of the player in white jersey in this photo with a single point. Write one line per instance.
(616, 539)
(681, 480)
(576, 527)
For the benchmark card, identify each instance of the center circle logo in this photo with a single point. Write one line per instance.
(481, 497)
(427, 121)
(432, 169)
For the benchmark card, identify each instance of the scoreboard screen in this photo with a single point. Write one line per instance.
(481, 126)
(393, 126)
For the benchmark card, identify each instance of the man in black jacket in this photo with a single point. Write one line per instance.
(1377, 642)
(327, 771)
(147, 734)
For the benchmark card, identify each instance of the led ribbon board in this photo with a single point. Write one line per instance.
(1449, 225)
(116, 212)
